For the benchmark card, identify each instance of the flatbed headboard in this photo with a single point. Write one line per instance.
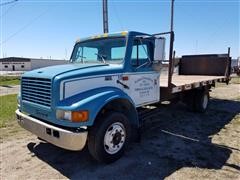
(209, 64)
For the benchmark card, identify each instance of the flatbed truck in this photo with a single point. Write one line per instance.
(96, 99)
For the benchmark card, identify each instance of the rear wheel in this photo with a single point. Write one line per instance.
(109, 137)
(197, 100)
(238, 72)
(189, 99)
(201, 100)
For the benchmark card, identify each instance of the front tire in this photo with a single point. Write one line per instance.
(109, 137)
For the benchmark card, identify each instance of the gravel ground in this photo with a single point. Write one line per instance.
(175, 144)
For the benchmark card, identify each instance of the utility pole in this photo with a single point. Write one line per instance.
(171, 63)
(105, 16)
(172, 14)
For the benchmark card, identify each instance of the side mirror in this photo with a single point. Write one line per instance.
(159, 53)
(159, 49)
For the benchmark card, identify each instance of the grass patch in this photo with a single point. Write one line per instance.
(8, 107)
(235, 80)
(8, 124)
(9, 80)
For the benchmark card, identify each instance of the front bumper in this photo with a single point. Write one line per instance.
(60, 137)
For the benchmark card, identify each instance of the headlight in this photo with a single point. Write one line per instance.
(74, 116)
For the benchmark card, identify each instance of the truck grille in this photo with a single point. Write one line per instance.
(36, 90)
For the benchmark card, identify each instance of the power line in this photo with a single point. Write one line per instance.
(7, 3)
(24, 27)
(117, 16)
(8, 9)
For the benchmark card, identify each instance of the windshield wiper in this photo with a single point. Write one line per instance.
(102, 56)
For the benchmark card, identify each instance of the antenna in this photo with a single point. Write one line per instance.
(105, 16)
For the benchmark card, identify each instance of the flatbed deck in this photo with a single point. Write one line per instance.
(186, 82)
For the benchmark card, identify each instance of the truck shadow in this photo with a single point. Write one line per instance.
(172, 138)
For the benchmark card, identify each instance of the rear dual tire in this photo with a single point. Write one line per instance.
(201, 101)
(197, 100)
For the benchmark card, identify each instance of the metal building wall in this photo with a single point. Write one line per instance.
(39, 63)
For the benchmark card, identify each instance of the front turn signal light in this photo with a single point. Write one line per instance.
(79, 116)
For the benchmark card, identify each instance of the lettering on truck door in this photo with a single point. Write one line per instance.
(144, 82)
(143, 88)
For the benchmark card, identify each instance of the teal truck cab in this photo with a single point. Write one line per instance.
(94, 99)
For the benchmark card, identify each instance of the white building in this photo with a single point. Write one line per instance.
(26, 64)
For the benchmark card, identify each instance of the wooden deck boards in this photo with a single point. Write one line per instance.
(182, 80)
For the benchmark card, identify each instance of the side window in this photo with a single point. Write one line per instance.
(117, 53)
(139, 53)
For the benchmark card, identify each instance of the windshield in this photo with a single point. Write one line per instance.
(108, 50)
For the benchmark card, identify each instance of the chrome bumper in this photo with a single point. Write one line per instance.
(60, 137)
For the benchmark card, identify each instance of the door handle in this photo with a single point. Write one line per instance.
(124, 85)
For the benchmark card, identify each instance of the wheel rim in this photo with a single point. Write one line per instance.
(205, 101)
(114, 138)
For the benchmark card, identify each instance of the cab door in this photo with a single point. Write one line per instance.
(142, 84)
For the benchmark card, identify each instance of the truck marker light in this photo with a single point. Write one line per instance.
(79, 116)
(124, 33)
(125, 78)
(78, 40)
(94, 37)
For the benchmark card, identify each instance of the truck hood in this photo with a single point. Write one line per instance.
(52, 71)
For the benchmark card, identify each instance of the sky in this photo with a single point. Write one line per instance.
(49, 28)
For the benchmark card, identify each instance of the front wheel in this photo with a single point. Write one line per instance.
(109, 137)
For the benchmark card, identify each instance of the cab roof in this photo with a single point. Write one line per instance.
(117, 34)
